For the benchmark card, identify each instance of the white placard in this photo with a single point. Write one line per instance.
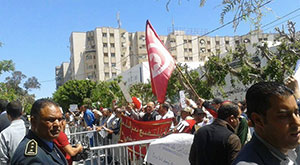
(125, 92)
(173, 149)
(297, 72)
(73, 107)
(182, 99)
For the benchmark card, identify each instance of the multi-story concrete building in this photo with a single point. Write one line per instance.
(106, 52)
(60, 74)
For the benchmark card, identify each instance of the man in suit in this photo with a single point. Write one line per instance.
(274, 114)
(37, 147)
(216, 144)
(151, 113)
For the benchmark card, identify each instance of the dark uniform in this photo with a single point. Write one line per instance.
(33, 150)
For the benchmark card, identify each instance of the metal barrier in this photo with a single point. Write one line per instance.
(87, 138)
(117, 154)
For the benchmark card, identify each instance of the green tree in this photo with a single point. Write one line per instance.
(263, 65)
(143, 91)
(73, 92)
(6, 66)
(107, 91)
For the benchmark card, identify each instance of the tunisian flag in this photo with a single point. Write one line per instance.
(161, 63)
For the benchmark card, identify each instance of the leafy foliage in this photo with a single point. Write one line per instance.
(6, 66)
(142, 91)
(251, 68)
(73, 92)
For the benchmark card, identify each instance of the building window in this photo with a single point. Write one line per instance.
(113, 64)
(104, 34)
(105, 45)
(111, 34)
(113, 55)
(202, 42)
(190, 41)
(237, 42)
(260, 39)
(217, 42)
(191, 58)
(106, 65)
(208, 50)
(106, 74)
(114, 74)
(227, 42)
(90, 67)
(190, 50)
(186, 58)
(208, 42)
(88, 57)
(112, 45)
(95, 66)
(202, 50)
(185, 49)
(246, 40)
(105, 54)
(94, 57)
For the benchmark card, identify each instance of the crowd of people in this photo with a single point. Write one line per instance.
(263, 129)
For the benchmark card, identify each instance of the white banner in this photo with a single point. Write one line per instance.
(182, 99)
(73, 107)
(173, 149)
(125, 92)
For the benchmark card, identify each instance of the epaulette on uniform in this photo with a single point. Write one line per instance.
(31, 148)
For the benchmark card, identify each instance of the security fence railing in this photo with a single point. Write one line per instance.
(130, 153)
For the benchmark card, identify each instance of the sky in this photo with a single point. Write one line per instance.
(36, 33)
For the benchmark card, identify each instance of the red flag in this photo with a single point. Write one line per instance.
(161, 63)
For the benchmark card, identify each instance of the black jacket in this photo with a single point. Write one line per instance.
(214, 144)
(32, 150)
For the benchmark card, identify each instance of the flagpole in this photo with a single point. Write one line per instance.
(188, 82)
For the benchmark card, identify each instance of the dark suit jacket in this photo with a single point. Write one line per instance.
(4, 122)
(255, 152)
(44, 155)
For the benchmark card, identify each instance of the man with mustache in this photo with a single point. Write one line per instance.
(274, 114)
(37, 147)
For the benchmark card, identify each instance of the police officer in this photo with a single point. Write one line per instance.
(37, 147)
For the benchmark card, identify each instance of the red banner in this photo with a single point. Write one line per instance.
(133, 130)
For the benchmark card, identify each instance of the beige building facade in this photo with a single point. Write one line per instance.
(106, 52)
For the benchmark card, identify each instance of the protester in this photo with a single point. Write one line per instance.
(3, 116)
(11, 136)
(87, 115)
(164, 112)
(274, 113)
(243, 130)
(211, 107)
(187, 121)
(65, 147)
(37, 147)
(216, 144)
(200, 118)
(150, 114)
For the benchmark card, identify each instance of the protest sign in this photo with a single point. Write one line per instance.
(125, 92)
(73, 107)
(173, 149)
(182, 99)
(133, 130)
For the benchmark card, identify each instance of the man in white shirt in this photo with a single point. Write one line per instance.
(13, 134)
